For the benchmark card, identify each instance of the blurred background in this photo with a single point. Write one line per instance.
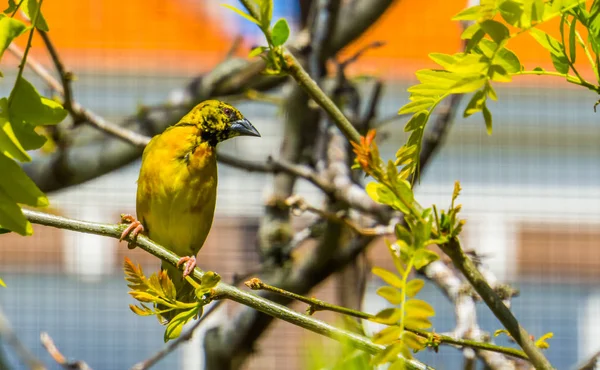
(531, 190)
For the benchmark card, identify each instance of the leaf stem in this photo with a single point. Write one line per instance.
(407, 271)
(570, 78)
(17, 8)
(27, 47)
(319, 305)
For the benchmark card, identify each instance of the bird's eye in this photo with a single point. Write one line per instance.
(227, 111)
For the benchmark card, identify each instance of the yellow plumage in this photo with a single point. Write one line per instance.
(177, 185)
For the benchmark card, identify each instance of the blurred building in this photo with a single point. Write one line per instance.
(531, 190)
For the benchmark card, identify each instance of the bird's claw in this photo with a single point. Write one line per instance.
(135, 227)
(190, 264)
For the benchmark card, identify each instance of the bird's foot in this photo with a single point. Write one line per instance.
(135, 227)
(190, 264)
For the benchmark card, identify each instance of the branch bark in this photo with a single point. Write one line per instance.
(221, 290)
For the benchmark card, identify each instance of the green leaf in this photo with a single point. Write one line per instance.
(509, 60)
(470, 31)
(594, 26)
(497, 31)
(404, 190)
(548, 42)
(475, 104)
(406, 155)
(388, 276)
(12, 6)
(469, 64)
(470, 14)
(399, 364)
(541, 342)
(266, 12)
(389, 316)
(504, 57)
(429, 90)
(417, 105)
(10, 145)
(391, 294)
(176, 324)
(417, 307)
(2, 284)
(387, 335)
(444, 60)
(30, 8)
(17, 186)
(511, 11)
(241, 13)
(280, 32)
(572, 42)
(10, 29)
(395, 257)
(390, 353)
(27, 105)
(538, 10)
(487, 117)
(475, 40)
(468, 83)
(380, 193)
(11, 216)
(424, 257)
(561, 64)
(438, 77)
(413, 287)
(403, 234)
(490, 92)
(413, 341)
(417, 322)
(417, 121)
(257, 50)
(498, 73)
(501, 331)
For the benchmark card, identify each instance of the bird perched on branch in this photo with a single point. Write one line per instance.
(177, 185)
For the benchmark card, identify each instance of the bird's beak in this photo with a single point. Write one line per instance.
(243, 127)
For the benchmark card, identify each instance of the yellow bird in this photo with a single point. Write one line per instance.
(177, 185)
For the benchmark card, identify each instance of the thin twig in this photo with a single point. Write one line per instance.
(297, 203)
(174, 344)
(78, 112)
(315, 305)
(48, 343)
(10, 338)
(359, 53)
(65, 77)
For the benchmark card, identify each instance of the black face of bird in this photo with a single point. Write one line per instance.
(218, 121)
(237, 124)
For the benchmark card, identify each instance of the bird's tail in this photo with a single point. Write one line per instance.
(185, 291)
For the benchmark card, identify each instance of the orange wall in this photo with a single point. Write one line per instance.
(186, 34)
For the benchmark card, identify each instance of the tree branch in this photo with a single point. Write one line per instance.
(10, 338)
(78, 112)
(48, 343)
(466, 266)
(222, 290)
(295, 70)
